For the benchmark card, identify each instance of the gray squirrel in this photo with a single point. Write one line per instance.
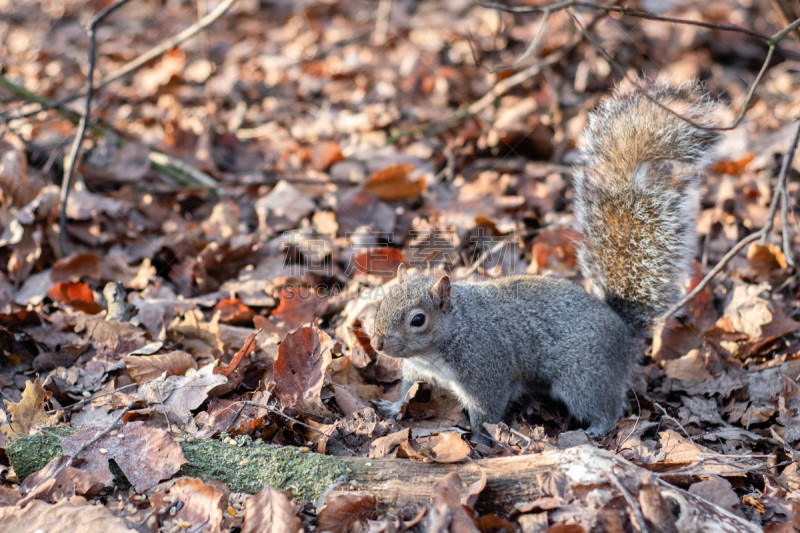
(491, 343)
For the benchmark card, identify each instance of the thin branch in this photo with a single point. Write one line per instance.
(770, 40)
(780, 187)
(148, 56)
(292, 419)
(628, 11)
(176, 169)
(777, 193)
(90, 400)
(498, 90)
(635, 509)
(72, 158)
(532, 47)
(781, 8)
(635, 82)
(96, 438)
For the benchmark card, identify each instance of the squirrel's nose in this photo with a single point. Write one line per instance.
(377, 343)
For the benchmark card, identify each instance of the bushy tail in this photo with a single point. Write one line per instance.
(636, 197)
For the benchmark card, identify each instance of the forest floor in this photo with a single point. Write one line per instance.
(252, 189)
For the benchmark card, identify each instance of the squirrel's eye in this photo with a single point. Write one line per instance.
(418, 320)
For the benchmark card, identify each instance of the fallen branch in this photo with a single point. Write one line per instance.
(402, 486)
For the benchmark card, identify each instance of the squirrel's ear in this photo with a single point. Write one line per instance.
(401, 273)
(441, 294)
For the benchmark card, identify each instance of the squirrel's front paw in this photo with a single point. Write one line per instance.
(387, 409)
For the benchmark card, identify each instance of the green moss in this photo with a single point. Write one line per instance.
(29, 454)
(242, 468)
(309, 475)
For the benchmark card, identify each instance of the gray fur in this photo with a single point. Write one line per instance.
(491, 343)
(507, 337)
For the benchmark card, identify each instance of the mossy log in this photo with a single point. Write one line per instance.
(401, 486)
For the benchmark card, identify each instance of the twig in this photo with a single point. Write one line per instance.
(671, 418)
(532, 47)
(777, 193)
(93, 398)
(96, 438)
(782, 196)
(770, 40)
(635, 424)
(485, 255)
(178, 170)
(165, 162)
(292, 419)
(637, 512)
(69, 170)
(151, 54)
(628, 11)
(781, 8)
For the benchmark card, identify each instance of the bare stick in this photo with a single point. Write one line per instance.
(497, 90)
(485, 255)
(781, 8)
(151, 54)
(777, 194)
(637, 512)
(72, 158)
(770, 40)
(532, 47)
(635, 82)
(96, 438)
(638, 13)
(93, 398)
(296, 421)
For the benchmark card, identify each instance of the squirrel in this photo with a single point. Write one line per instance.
(493, 342)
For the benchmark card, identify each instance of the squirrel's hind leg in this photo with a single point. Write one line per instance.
(599, 406)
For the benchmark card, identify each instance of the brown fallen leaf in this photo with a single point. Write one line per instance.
(324, 154)
(144, 368)
(766, 261)
(299, 371)
(393, 183)
(72, 514)
(145, 455)
(9, 496)
(446, 447)
(247, 348)
(53, 482)
(383, 446)
(299, 305)
(451, 504)
(344, 512)
(77, 295)
(732, 167)
(717, 490)
(15, 184)
(193, 325)
(177, 396)
(270, 510)
(75, 267)
(201, 503)
(379, 261)
(555, 250)
(29, 412)
(690, 368)
(233, 311)
(100, 332)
